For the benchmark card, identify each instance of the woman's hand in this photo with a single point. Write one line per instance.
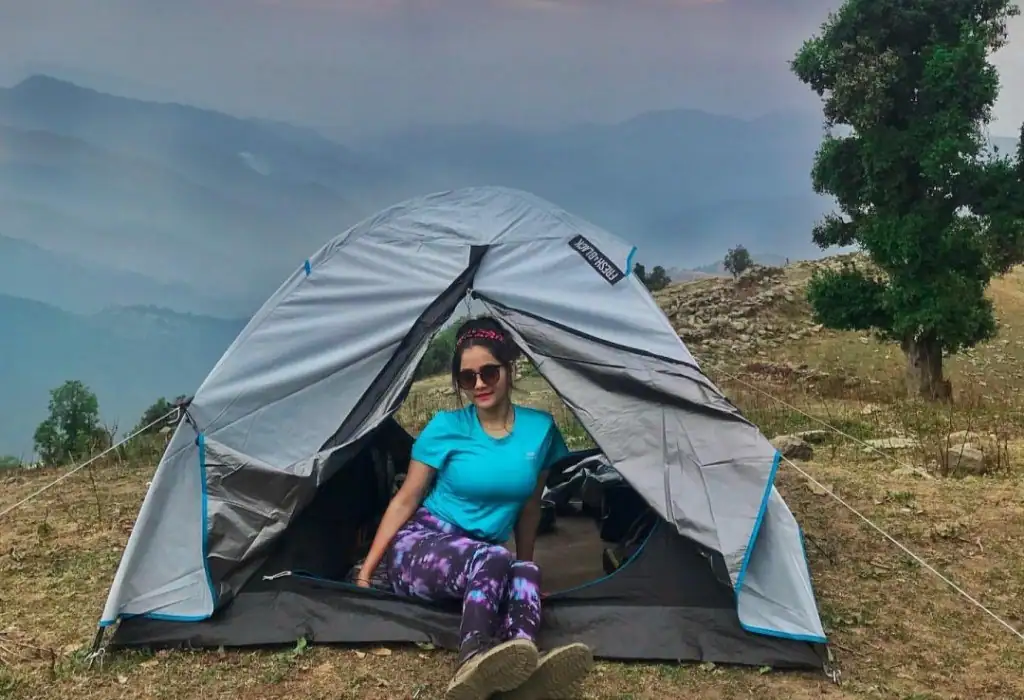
(417, 482)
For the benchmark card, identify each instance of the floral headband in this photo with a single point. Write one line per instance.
(482, 333)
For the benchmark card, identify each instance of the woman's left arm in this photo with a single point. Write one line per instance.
(529, 521)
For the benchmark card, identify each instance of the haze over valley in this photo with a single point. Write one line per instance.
(137, 237)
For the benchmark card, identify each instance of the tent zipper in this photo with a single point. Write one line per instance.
(279, 574)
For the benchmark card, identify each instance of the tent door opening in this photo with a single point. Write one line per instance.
(594, 524)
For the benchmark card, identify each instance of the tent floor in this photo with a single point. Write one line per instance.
(622, 616)
(570, 556)
(673, 601)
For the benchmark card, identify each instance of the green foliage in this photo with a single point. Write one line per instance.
(9, 462)
(438, 358)
(657, 279)
(937, 214)
(737, 260)
(72, 430)
(848, 298)
(161, 407)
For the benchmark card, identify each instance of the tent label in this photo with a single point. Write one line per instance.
(596, 259)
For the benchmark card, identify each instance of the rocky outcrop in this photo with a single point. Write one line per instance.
(762, 310)
(759, 315)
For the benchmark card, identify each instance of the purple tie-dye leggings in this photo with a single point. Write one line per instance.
(433, 560)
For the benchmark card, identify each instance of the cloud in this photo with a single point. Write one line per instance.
(376, 63)
(390, 6)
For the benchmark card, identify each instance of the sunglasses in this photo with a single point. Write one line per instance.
(489, 374)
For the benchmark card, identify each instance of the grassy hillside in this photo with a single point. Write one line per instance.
(896, 630)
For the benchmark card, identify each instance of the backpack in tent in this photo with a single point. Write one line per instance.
(667, 541)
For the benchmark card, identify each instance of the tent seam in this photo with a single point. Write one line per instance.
(600, 341)
(297, 392)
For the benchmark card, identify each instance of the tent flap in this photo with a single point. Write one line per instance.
(163, 571)
(777, 597)
(687, 450)
(249, 503)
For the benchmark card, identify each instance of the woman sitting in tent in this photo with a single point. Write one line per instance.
(476, 476)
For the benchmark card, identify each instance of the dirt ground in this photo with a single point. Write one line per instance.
(896, 630)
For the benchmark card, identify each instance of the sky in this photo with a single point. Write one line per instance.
(359, 66)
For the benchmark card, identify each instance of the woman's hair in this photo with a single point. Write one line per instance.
(487, 333)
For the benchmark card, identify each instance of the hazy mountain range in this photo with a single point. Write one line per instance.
(129, 356)
(180, 194)
(107, 201)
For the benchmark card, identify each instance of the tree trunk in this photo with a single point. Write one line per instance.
(924, 369)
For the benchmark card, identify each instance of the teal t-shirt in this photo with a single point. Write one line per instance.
(482, 482)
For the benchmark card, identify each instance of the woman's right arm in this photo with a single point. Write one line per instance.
(403, 504)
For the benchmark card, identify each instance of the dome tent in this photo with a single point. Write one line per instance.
(270, 489)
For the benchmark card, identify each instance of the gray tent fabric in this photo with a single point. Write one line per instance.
(330, 355)
(687, 450)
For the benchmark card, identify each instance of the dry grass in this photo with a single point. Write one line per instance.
(993, 372)
(897, 630)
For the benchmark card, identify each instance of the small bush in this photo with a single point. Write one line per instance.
(9, 462)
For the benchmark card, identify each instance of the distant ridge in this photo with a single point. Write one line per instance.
(130, 356)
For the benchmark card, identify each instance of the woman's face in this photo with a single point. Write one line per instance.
(483, 378)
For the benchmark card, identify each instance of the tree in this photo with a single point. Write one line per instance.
(73, 427)
(737, 260)
(161, 407)
(936, 214)
(438, 357)
(641, 272)
(658, 279)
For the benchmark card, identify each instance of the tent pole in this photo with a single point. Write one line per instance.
(98, 639)
(97, 650)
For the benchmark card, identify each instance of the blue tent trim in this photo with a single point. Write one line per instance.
(761, 510)
(201, 443)
(741, 577)
(629, 261)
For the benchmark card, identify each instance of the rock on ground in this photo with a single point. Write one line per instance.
(965, 453)
(793, 447)
(815, 437)
(890, 444)
(964, 459)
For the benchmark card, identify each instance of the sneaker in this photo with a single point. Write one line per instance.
(501, 668)
(557, 672)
